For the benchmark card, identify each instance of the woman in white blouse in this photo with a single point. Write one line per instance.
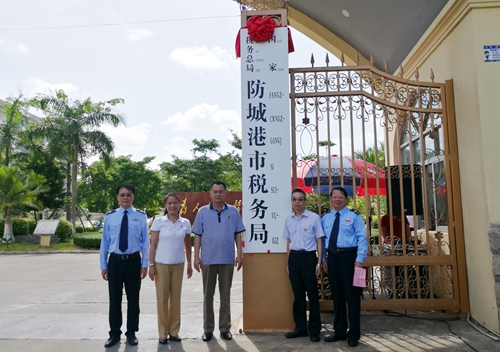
(170, 239)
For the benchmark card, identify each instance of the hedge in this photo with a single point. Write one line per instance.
(88, 240)
(64, 230)
(93, 240)
(31, 226)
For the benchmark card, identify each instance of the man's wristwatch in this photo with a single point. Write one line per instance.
(151, 264)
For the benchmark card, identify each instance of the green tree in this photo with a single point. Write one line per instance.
(43, 164)
(97, 187)
(11, 127)
(198, 173)
(378, 160)
(72, 126)
(18, 194)
(326, 144)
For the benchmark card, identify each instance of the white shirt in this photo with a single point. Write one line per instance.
(170, 249)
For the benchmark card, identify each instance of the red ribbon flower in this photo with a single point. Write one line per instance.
(260, 29)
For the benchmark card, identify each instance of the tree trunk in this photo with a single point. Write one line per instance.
(68, 192)
(74, 173)
(8, 231)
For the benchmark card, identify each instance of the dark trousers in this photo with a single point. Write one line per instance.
(302, 273)
(340, 276)
(124, 273)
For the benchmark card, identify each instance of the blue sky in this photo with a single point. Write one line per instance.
(172, 61)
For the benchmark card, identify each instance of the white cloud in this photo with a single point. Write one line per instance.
(11, 48)
(178, 146)
(35, 85)
(22, 47)
(128, 139)
(202, 121)
(206, 118)
(202, 57)
(137, 34)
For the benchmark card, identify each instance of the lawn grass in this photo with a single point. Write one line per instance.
(30, 247)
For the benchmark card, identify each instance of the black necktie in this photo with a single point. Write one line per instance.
(332, 244)
(124, 233)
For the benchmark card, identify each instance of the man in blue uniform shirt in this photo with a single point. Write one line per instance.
(304, 235)
(124, 236)
(345, 247)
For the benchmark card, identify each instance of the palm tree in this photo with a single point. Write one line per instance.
(18, 191)
(72, 128)
(369, 154)
(326, 144)
(11, 127)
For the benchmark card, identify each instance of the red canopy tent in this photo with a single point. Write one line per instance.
(355, 173)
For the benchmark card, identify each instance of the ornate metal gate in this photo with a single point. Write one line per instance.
(390, 142)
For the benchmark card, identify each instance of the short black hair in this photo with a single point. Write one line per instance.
(298, 190)
(218, 183)
(341, 189)
(128, 186)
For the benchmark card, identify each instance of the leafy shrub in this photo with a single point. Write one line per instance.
(19, 227)
(31, 226)
(79, 229)
(64, 230)
(312, 203)
(88, 240)
(375, 221)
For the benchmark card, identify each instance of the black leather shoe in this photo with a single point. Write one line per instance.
(207, 336)
(295, 333)
(163, 341)
(132, 340)
(352, 343)
(113, 340)
(314, 337)
(175, 338)
(334, 337)
(226, 335)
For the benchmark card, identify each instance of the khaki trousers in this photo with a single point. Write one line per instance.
(225, 274)
(168, 297)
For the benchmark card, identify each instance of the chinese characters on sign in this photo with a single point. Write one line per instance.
(491, 53)
(191, 202)
(266, 141)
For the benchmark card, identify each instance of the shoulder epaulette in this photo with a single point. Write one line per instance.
(355, 211)
(141, 211)
(325, 213)
(111, 212)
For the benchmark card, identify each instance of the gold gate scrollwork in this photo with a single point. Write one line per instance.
(391, 141)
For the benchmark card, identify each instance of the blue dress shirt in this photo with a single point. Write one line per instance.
(303, 231)
(352, 232)
(138, 235)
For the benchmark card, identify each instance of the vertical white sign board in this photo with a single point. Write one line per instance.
(266, 141)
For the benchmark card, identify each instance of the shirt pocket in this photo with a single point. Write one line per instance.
(307, 232)
(135, 227)
(327, 226)
(347, 228)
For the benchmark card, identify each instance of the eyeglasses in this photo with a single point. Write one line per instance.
(298, 199)
(123, 195)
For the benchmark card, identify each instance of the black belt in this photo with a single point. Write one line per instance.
(125, 256)
(343, 250)
(302, 251)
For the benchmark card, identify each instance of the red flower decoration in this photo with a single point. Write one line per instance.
(260, 29)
